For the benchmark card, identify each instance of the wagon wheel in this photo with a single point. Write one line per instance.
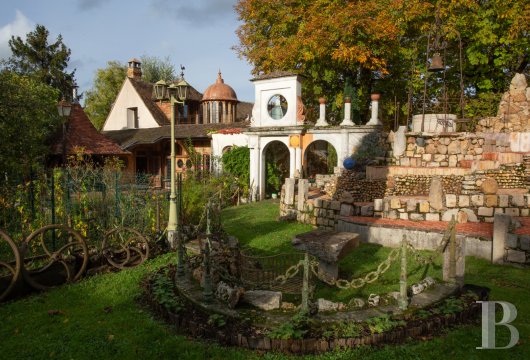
(54, 255)
(10, 265)
(125, 247)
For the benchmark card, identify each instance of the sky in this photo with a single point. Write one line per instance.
(198, 34)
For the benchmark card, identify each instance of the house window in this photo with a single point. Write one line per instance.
(132, 118)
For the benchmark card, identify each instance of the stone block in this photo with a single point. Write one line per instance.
(489, 186)
(462, 217)
(426, 157)
(489, 219)
(453, 160)
(460, 262)
(335, 205)
(450, 200)
(378, 205)
(503, 200)
(490, 200)
(318, 203)
(439, 157)
(436, 194)
(303, 188)
(289, 191)
(501, 226)
(395, 203)
(367, 210)
(325, 204)
(516, 256)
(477, 200)
(518, 200)
(525, 212)
(392, 214)
(525, 241)
(424, 207)
(404, 216)
(432, 217)
(485, 211)
(346, 210)
(411, 205)
(405, 161)
(499, 211)
(512, 241)
(263, 299)
(442, 149)
(463, 200)
(416, 217)
(512, 211)
(454, 148)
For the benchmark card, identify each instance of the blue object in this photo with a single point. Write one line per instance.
(349, 163)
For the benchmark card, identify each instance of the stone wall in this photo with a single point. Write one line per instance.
(352, 187)
(514, 110)
(465, 208)
(420, 184)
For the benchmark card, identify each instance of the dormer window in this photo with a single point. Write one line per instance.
(132, 118)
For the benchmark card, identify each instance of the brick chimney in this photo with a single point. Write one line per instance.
(134, 70)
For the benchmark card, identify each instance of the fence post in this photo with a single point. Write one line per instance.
(403, 298)
(452, 252)
(305, 284)
(116, 196)
(206, 276)
(180, 243)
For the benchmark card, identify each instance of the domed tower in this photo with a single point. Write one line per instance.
(219, 103)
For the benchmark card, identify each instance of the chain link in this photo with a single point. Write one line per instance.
(289, 273)
(362, 281)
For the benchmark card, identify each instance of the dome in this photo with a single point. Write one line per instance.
(219, 91)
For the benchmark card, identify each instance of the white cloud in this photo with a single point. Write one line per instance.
(18, 27)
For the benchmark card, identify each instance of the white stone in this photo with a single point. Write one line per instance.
(417, 288)
(432, 217)
(485, 211)
(373, 300)
(326, 305)
(378, 205)
(263, 299)
(450, 200)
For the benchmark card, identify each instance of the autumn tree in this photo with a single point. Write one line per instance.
(37, 57)
(365, 46)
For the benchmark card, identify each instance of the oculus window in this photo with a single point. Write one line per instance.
(277, 107)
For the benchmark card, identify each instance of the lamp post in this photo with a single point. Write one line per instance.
(176, 93)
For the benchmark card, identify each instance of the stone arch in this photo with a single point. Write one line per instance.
(320, 157)
(276, 166)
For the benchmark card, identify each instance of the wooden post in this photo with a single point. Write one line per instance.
(403, 298)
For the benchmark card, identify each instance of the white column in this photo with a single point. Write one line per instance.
(322, 119)
(375, 110)
(292, 161)
(343, 152)
(347, 113)
(253, 142)
(298, 156)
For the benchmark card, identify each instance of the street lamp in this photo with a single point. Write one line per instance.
(177, 95)
(64, 108)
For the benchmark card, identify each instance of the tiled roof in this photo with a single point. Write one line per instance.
(145, 90)
(128, 138)
(274, 75)
(80, 133)
(243, 110)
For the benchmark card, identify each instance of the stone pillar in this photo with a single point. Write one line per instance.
(230, 119)
(292, 161)
(254, 170)
(501, 224)
(298, 161)
(375, 110)
(342, 150)
(460, 261)
(303, 188)
(347, 113)
(322, 119)
(289, 191)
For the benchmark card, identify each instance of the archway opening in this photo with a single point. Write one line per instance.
(276, 158)
(320, 157)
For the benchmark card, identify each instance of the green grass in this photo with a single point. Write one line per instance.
(87, 331)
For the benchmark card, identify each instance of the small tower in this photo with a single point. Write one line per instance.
(134, 69)
(219, 102)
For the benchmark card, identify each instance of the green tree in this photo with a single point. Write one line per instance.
(100, 98)
(46, 61)
(154, 69)
(28, 121)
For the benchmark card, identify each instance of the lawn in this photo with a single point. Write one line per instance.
(99, 318)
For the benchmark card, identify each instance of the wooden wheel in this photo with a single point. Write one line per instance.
(54, 255)
(125, 247)
(10, 265)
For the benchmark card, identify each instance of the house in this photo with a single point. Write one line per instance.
(140, 123)
(79, 135)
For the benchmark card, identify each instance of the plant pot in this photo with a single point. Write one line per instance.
(274, 196)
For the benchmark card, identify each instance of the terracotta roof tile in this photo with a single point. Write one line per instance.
(80, 133)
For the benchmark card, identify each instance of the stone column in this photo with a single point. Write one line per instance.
(501, 224)
(375, 110)
(459, 264)
(303, 188)
(254, 170)
(322, 119)
(347, 113)
(289, 191)
(292, 161)
(298, 162)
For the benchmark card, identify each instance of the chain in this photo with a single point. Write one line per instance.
(362, 281)
(289, 273)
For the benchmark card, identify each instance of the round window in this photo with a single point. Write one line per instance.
(188, 163)
(277, 107)
(180, 163)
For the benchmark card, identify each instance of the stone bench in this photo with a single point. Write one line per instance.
(328, 246)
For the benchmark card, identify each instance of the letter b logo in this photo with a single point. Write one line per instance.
(489, 324)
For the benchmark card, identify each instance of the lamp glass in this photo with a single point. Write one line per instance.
(160, 89)
(183, 90)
